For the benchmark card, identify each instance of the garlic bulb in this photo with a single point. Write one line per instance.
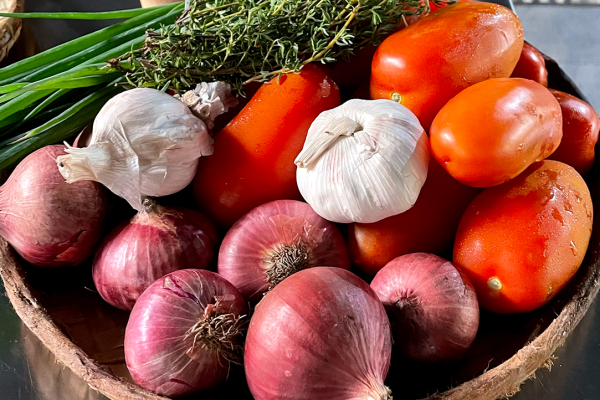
(144, 143)
(363, 161)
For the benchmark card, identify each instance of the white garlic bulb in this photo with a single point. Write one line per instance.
(144, 143)
(363, 161)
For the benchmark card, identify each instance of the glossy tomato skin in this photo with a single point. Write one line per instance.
(580, 132)
(429, 226)
(253, 161)
(521, 242)
(531, 65)
(426, 64)
(492, 131)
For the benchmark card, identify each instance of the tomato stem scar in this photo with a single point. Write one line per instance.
(494, 283)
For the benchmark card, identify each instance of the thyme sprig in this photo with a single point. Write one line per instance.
(254, 40)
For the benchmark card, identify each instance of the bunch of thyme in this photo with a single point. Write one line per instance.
(254, 40)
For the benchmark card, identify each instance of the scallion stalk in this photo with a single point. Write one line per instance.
(60, 52)
(119, 14)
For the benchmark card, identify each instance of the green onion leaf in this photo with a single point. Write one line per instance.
(20, 69)
(61, 80)
(58, 129)
(119, 14)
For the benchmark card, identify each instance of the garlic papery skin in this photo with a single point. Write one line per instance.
(209, 100)
(144, 143)
(363, 161)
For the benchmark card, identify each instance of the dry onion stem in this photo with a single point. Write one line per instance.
(285, 261)
(222, 333)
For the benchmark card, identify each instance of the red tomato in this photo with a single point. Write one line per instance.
(521, 242)
(253, 162)
(425, 65)
(222, 120)
(429, 226)
(491, 132)
(580, 132)
(531, 65)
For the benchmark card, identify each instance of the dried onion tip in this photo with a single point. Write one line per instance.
(274, 241)
(184, 332)
(363, 161)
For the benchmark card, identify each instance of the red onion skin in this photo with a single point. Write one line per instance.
(49, 222)
(155, 348)
(254, 236)
(320, 334)
(149, 246)
(432, 306)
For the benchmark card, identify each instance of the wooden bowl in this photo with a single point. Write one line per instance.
(86, 334)
(10, 28)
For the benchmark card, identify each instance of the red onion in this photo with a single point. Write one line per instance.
(49, 222)
(153, 243)
(432, 306)
(275, 240)
(184, 331)
(320, 334)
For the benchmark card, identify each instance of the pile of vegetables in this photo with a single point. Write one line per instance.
(345, 233)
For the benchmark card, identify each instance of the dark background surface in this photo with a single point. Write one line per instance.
(566, 33)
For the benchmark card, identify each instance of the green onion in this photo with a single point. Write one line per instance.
(55, 82)
(105, 50)
(59, 128)
(20, 69)
(19, 103)
(87, 15)
(12, 87)
(40, 107)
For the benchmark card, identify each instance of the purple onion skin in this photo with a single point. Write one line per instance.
(156, 350)
(254, 236)
(432, 306)
(322, 333)
(149, 246)
(49, 222)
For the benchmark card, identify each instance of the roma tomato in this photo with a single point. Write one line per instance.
(521, 242)
(491, 132)
(531, 65)
(253, 161)
(429, 226)
(425, 65)
(580, 132)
